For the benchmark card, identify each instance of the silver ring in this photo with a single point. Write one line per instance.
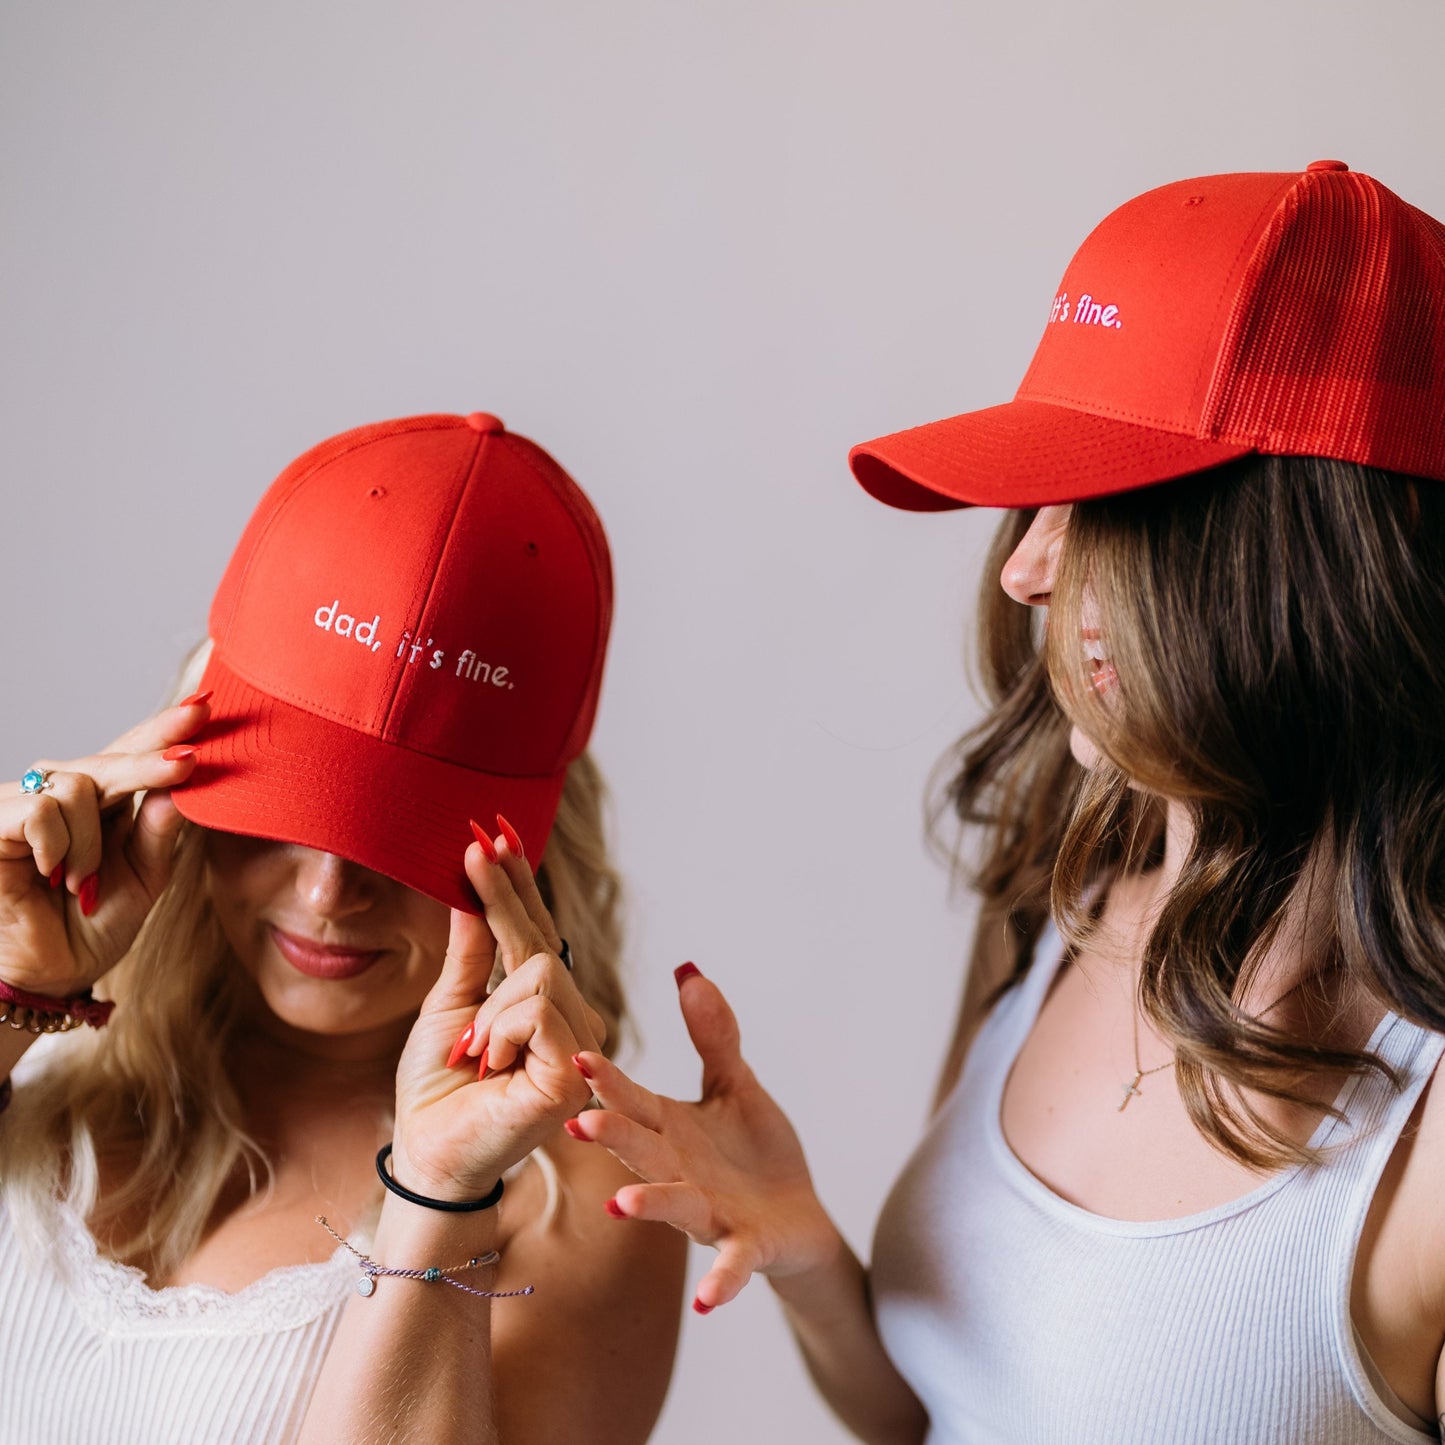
(37, 780)
(565, 954)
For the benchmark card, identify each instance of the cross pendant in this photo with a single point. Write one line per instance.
(1130, 1089)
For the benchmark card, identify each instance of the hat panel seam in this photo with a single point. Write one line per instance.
(422, 593)
(1267, 244)
(603, 598)
(323, 454)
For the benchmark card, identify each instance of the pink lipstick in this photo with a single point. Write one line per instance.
(317, 960)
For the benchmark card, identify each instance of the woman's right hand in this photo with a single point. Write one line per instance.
(80, 867)
(727, 1170)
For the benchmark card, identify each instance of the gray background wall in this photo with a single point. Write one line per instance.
(696, 250)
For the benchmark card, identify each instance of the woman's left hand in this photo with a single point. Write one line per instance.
(456, 1133)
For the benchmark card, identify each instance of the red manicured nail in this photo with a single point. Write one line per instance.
(685, 972)
(89, 894)
(482, 1064)
(581, 1067)
(575, 1130)
(179, 753)
(701, 1308)
(57, 876)
(480, 834)
(195, 699)
(614, 1209)
(513, 837)
(460, 1047)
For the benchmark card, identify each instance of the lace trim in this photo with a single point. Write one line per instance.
(116, 1298)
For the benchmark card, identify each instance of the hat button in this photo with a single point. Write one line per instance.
(1327, 166)
(484, 421)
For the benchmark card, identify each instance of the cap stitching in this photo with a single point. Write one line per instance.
(420, 610)
(360, 436)
(1260, 236)
(600, 560)
(309, 706)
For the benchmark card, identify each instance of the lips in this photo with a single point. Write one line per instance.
(318, 960)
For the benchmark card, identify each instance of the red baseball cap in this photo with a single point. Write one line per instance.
(410, 634)
(1296, 314)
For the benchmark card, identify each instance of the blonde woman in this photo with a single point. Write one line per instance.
(1183, 1180)
(260, 1200)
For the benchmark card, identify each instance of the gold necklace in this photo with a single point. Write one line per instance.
(1132, 1089)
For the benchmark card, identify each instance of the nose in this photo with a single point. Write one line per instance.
(1028, 575)
(333, 887)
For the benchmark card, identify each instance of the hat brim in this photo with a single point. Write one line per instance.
(269, 769)
(1026, 454)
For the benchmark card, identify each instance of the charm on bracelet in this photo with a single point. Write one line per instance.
(371, 1271)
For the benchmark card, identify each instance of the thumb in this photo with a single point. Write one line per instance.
(151, 845)
(471, 954)
(713, 1028)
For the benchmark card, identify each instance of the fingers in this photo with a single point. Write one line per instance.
(151, 845)
(170, 725)
(76, 801)
(536, 1027)
(688, 1209)
(513, 862)
(517, 933)
(118, 777)
(471, 954)
(542, 976)
(713, 1028)
(647, 1154)
(734, 1266)
(680, 1205)
(615, 1091)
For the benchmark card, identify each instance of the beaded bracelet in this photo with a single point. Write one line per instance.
(35, 1013)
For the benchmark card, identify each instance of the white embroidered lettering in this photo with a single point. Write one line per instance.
(1085, 312)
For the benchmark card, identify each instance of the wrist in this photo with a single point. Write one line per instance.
(815, 1269)
(45, 1013)
(446, 1193)
(412, 1237)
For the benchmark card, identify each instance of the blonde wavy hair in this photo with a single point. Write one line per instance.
(150, 1093)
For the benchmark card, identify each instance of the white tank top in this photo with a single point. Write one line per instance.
(1019, 1317)
(92, 1354)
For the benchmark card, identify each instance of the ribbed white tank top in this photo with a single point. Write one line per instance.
(1018, 1317)
(89, 1354)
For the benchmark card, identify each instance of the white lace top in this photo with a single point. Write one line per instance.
(92, 1354)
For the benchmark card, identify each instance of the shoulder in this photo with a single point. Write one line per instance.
(603, 1320)
(1406, 1221)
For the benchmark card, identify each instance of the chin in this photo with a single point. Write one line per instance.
(327, 1009)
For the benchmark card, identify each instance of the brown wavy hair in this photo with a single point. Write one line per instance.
(1278, 626)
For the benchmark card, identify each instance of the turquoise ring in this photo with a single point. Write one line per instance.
(37, 780)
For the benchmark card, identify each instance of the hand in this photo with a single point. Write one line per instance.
(728, 1170)
(464, 1115)
(80, 866)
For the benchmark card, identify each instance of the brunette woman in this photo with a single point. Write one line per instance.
(261, 1202)
(1183, 1182)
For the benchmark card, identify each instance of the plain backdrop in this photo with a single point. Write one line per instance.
(695, 250)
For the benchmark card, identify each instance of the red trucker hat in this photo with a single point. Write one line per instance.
(409, 634)
(1291, 314)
